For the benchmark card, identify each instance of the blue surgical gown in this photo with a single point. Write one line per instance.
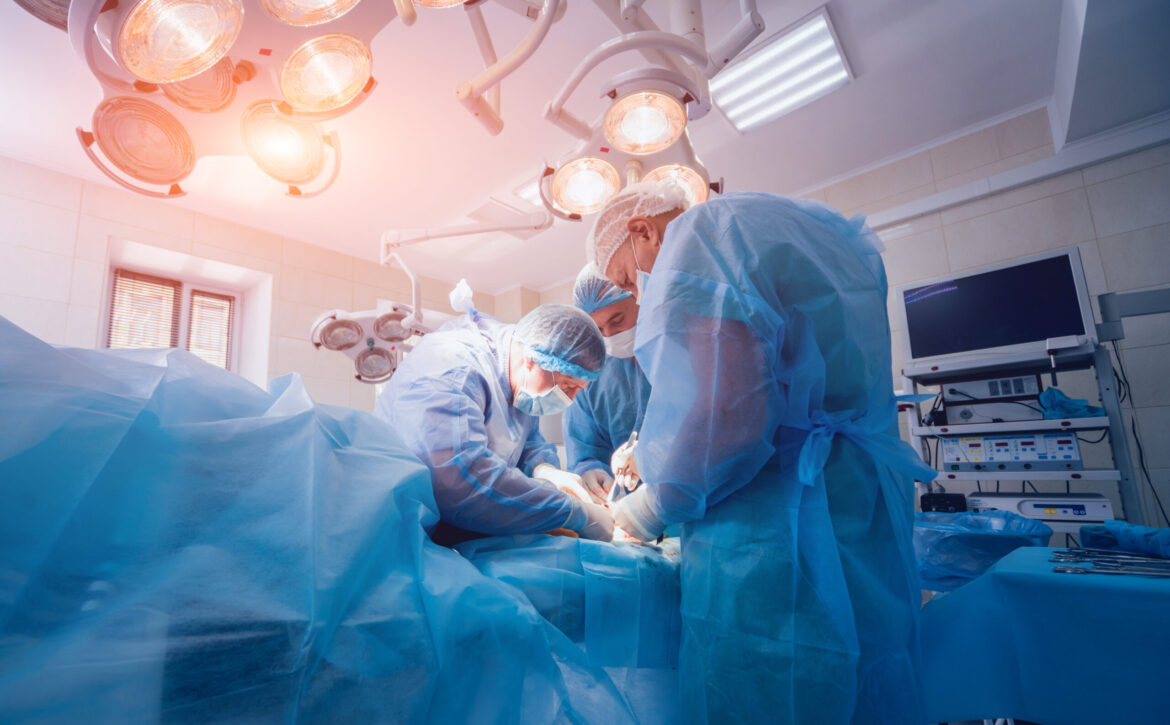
(771, 429)
(604, 414)
(451, 403)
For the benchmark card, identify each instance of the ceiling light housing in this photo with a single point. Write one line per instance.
(583, 185)
(161, 41)
(305, 13)
(793, 68)
(326, 73)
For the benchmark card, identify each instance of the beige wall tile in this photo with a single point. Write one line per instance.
(327, 391)
(297, 355)
(916, 257)
(44, 318)
(998, 167)
(231, 256)
(381, 277)
(1015, 197)
(38, 226)
(87, 286)
(134, 210)
(562, 294)
(1137, 259)
(482, 301)
(365, 297)
(1049, 223)
(895, 178)
(509, 307)
(236, 237)
(362, 395)
(1146, 330)
(1132, 163)
(323, 261)
(81, 326)
(529, 300)
(1023, 133)
(1153, 424)
(1131, 202)
(963, 154)
(41, 185)
(94, 233)
(890, 202)
(294, 319)
(1147, 368)
(301, 285)
(816, 195)
(917, 225)
(38, 275)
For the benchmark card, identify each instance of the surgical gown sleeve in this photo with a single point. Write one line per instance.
(537, 450)
(587, 443)
(709, 348)
(475, 488)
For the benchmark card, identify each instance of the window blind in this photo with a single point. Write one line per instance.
(209, 327)
(144, 311)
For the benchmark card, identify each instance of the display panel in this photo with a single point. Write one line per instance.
(1030, 302)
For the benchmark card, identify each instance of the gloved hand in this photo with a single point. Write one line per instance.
(625, 470)
(598, 525)
(598, 482)
(634, 515)
(563, 480)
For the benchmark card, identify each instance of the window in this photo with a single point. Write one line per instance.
(150, 311)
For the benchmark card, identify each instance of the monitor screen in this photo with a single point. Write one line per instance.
(1029, 302)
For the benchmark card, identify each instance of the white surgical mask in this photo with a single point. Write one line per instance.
(621, 344)
(640, 278)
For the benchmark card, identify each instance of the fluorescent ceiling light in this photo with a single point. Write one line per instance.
(795, 67)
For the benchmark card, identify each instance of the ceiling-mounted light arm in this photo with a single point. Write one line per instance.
(470, 93)
(413, 321)
(394, 238)
(544, 186)
(333, 141)
(406, 11)
(87, 142)
(749, 27)
(486, 49)
(630, 9)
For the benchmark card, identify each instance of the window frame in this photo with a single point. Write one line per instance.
(187, 286)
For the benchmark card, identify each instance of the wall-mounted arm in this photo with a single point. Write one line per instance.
(394, 238)
(414, 319)
(470, 93)
(1117, 305)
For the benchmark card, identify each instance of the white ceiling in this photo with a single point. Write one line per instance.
(414, 158)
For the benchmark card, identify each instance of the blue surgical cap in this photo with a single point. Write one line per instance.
(593, 290)
(562, 339)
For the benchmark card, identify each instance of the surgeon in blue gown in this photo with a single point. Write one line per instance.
(604, 414)
(467, 400)
(771, 435)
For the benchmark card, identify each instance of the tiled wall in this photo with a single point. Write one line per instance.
(53, 259)
(1117, 213)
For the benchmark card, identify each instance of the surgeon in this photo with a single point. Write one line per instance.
(604, 414)
(467, 400)
(770, 434)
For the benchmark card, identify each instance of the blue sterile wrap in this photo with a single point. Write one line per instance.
(593, 291)
(620, 602)
(1126, 537)
(1058, 405)
(771, 428)
(179, 545)
(953, 549)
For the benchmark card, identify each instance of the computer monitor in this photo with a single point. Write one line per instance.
(1013, 308)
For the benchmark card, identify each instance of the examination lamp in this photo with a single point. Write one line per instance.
(376, 340)
(583, 185)
(644, 122)
(184, 79)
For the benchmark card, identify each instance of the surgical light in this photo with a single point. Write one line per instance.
(689, 179)
(583, 185)
(794, 68)
(375, 365)
(340, 335)
(287, 150)
(307, 12)
(162, 41)
(210, 91)
(389, 327)
(645, 122)
(326, 72)
(438, 3)
(143, 140)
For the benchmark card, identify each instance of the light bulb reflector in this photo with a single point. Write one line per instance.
(210, 91)
(143, 140)
(341, 335)
(438, 3)
(326, 72)
(690, 180)
(389, 327)
(375, 365)
(645, 122)
(287, 150)
(304, 13)
(583, 185)
(162, 41)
